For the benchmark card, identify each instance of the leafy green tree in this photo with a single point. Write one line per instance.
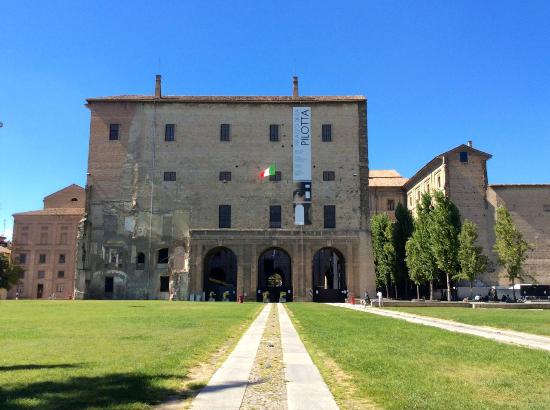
(419, 256)
(9, 273)
(402, 231)
(510, 246)
(384, 262)
(444, 229)
(471, 258)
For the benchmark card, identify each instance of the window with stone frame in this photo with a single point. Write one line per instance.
(274, 132)
(225, 176)
(60, 274)
(391, 205)
(22, 258)
(42, 258)
(61, 258)
(169, 132)
(170, 176)
(114, 132)
(41, 274)
(326, 132)
(329, 176)
(225, 132)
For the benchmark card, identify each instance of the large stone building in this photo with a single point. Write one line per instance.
(44, 245)
(176, 205)
(461, 173)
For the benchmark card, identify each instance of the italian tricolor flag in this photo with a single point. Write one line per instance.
(268, 172)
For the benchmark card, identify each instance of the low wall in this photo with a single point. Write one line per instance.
(475, 305)
(528, 305)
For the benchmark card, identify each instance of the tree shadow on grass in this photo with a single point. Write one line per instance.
(122, 390)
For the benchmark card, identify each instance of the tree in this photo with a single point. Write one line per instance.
(471, 258)
(510, 246)
(402, 231)
(384, 262)
(444, 229)
(419, 257)
(9, 273)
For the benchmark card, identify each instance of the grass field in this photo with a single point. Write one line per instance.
(107, 354)
(394, 364)
(521, 320)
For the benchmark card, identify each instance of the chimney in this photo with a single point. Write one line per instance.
(158, 93)
(470, 143)
(295, 87)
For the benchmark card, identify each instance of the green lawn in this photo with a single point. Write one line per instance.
(521, 320)
(107, 354)
(397, 365)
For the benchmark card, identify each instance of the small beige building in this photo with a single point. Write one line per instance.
(44, 245)
(386, 191)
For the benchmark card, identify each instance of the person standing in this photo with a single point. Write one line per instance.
(380, 300)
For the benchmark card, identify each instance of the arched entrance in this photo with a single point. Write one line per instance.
(220, 273)
(274, 274)
(329, 276)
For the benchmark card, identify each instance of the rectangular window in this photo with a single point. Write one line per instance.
(43, 238)
(329, 175)
(109, 284)
(274, 132)
(464, 156)
(63, 238)
(22, 258)
(276, 177)
(42, 258)
(165, 283)
(224, 215)
(60, 274)
(326, 132)
(22, 275)
(170, 176)
(60, 287)
(41, 274)
(225, 132)
(330, 216)
(169, 134)
(391, 205)
(439, 182)
(113, 132)
(225, 176)
(61, 258)
(275, 216)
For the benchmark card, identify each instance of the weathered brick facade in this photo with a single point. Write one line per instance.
(132, 212)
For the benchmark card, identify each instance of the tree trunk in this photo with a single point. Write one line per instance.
(448, 287)
(514, 288)
(471, 289)
(395, 287)
(418, 291)
(387, 291)
(431, 290)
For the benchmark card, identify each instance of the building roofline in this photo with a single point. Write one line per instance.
(519, 185)
(228, 99)
(419, 174)
(62, 189)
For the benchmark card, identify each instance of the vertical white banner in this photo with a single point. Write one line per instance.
(301, 136)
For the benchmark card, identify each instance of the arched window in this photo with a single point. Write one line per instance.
(140, 261)
(162, 255)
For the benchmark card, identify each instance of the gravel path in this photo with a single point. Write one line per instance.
(266, 388)
(499, 335)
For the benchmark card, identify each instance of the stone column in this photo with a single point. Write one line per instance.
(253, 273)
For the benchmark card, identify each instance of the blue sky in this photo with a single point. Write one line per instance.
(436, 74)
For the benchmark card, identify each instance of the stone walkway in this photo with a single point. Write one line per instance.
(499, 335)
(305, 388)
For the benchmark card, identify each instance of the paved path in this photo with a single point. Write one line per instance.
(305, 387)
(226, 388)
(499, 335)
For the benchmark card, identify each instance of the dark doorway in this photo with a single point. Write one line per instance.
(220, 273)
(274, 275)
(329, 276)
(39, 291)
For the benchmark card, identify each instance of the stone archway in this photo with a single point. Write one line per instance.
(274, 274)
(329, 276)
(220, 273)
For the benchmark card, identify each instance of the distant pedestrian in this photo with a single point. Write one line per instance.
(16, 295)
(380, 299)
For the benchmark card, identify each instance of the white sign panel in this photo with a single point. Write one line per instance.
(301, 131)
